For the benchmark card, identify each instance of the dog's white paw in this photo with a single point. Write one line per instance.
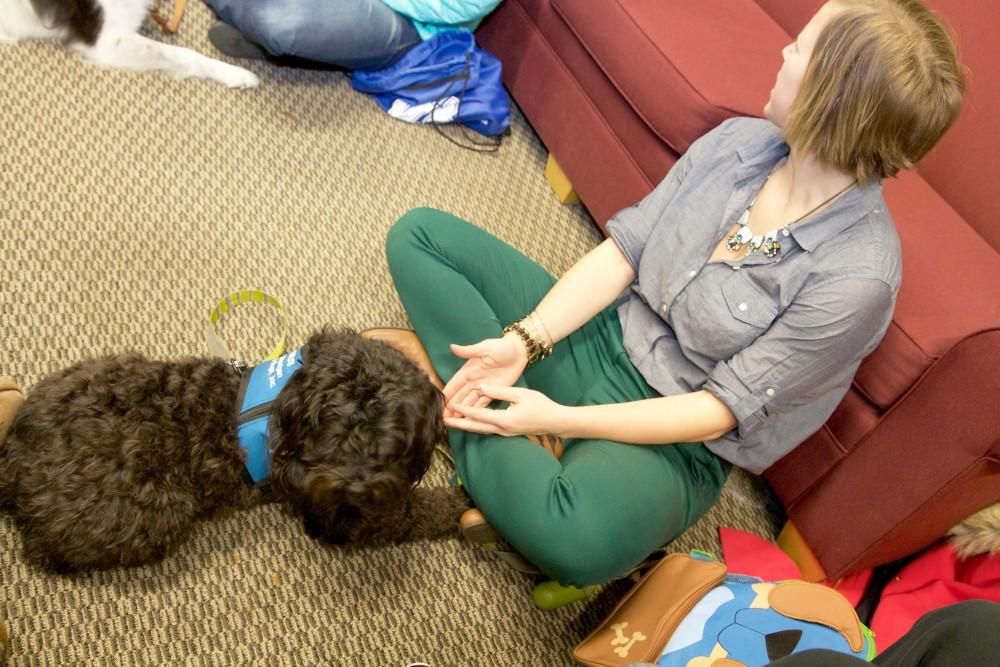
(237, 77)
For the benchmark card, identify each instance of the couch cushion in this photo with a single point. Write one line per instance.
(950, 289)
(577, 113)
(792, 15)
(683, 66)
(809, 463)
(965, 166)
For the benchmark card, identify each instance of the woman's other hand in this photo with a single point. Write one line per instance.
(528, 412)
(494, 361)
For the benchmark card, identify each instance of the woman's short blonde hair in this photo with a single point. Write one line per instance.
(883, 85)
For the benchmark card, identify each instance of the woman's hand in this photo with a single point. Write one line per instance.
(529, 412)
(497, 362)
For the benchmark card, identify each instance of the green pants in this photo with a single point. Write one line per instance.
(600, 510)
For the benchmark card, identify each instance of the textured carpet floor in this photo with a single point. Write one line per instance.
(128, 204)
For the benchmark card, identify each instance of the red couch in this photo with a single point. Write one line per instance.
(617, 89)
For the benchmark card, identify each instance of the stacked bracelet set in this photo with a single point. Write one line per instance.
(536, 337)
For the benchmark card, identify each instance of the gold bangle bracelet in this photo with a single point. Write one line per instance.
(536, 349)
(545, 330)
(529, 343)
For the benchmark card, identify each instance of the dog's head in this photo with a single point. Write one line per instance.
(352, 434)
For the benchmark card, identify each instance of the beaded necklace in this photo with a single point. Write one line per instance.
(768, 241)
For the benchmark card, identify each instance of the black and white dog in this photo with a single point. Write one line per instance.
(105, 32)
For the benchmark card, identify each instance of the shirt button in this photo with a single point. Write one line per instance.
(736, 268)
(784, 232)
(770, 391)
(742, 306)
(663, 309)
(692, 274)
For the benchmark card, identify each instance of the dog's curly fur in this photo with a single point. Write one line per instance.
(109, 462)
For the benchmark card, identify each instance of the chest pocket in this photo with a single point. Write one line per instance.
(748, 303)
(718, 320)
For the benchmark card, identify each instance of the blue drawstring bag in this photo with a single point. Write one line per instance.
(445, 79)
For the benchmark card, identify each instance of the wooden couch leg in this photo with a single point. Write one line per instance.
(559, 183)
(792, 543)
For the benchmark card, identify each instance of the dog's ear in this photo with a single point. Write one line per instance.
(433, 431)
(288, 477)
(351, 503)
(324, 342)
(286, 445)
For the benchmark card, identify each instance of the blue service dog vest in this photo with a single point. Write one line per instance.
(258, 391)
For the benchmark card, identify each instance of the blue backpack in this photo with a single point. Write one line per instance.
(445, 79)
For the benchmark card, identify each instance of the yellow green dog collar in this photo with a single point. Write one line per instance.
(227, 303)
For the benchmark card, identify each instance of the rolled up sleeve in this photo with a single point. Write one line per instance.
(813, 348)
(631, 227)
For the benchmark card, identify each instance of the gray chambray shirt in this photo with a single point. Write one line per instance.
(777, 340)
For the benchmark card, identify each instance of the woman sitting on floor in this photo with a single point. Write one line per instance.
(348, 34)
(721, 322)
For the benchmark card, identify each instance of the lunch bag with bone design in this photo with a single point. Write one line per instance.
(688, 612)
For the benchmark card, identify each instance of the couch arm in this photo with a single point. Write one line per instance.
(930, 461)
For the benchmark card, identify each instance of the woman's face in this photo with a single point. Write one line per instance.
(795, 60)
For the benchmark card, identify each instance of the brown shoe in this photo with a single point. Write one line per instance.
(477, 530)
(553, 443)
(11, 399)
(406, 342)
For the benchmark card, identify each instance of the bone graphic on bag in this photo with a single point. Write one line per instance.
(622, 639)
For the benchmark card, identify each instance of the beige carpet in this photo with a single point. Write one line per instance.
(128, 204)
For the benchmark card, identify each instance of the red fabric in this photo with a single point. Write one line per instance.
(965, 166)
(651, 156)
(672, 59)
(933, 580)
(746, 553)
(855, 418)
(893, 367)
(574, 108)
(932, 460)
(791, 15)
(942, 257)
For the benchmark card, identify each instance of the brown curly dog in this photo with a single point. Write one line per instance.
(110, 462)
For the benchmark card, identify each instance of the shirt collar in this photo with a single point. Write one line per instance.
(767, 147)
(852, 206)
(761, 155)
